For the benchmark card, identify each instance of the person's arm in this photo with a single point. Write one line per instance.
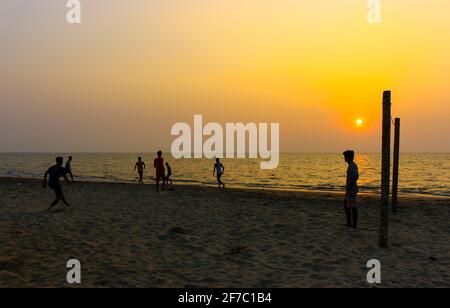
(45, 179)
(354, 180)
(214, 170)
(144, 165)
(223, 168)
(354, 176)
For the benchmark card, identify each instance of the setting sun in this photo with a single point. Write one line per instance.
(359, 122)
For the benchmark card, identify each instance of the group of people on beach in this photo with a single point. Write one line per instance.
(54, 173)
(161, 175)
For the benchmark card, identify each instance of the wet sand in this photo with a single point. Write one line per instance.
(128, 235)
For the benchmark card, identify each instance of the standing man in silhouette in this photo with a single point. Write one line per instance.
(160, 171)
(54, 173)
(218, 170)
(351, 190)
(68, 168)
(140, 166)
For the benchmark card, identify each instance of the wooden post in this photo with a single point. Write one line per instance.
(385, 170)
(396, 164)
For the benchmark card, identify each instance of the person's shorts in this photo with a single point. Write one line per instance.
(56, 188)
(351, 197)
(68, 171)
(219, 176)
(160, 176)
(141, 172)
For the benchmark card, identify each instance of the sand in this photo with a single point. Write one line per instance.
(128, 235)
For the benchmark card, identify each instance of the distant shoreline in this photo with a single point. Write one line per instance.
(188, 184)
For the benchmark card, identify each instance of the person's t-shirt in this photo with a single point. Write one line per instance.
(69, 165)
(352, 178)
(55, 173)
(219, 168)
(159, 165)
(140, 166)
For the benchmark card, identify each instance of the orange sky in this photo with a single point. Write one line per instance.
(122, 78)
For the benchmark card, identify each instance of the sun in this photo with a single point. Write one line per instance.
(359, 122)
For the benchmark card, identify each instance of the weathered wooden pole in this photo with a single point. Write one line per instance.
(396, 167)
(385, 170)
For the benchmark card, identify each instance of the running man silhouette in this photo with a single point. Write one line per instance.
(54, 173)
(140, 166)
(68, 168)
(218, 170)
(160, 171)
(169, 174)
(351, 190)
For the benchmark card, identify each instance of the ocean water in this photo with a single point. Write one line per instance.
(419, 173)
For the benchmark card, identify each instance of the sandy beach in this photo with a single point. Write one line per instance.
(127, 235)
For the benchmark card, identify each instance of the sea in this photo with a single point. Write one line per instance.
(424, 174)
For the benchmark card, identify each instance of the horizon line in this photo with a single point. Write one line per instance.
(151, 152)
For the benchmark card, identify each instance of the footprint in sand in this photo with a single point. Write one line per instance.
(177, 230)
(236, 251)
(12, 266)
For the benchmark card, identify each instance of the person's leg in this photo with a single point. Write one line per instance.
(347, 208)
(64, 199)
(354, 211)
(219, 178)
(348, 214)
(71, 175)
(56, 201)
(355, 217)
(164, 182)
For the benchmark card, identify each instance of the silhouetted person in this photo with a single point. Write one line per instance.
(54, 173)
(351, 191)
(219, 169)
(160, 171)
(68, 168)
(140, 166)
(169, 174)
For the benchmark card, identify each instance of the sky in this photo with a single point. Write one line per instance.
(122, 78)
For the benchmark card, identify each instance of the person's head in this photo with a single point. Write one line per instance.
(349, 156)
(70, 157)
(139, 158)
(59, 161)
(159, 154)
(217, 160)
